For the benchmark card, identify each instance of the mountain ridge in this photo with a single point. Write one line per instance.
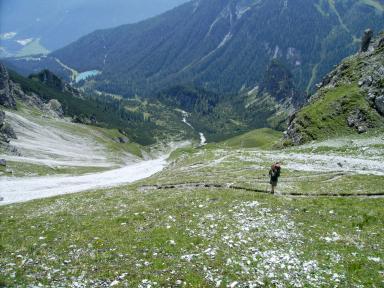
(50, 25)
(216, 45)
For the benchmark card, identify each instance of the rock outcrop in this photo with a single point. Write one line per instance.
(7, 98)
(366, 40)
(358, 120)
(55, 107)
(6, 131)
(82, 119)
(354, 91)
(2, 118)
(379, 102)
(10, 91)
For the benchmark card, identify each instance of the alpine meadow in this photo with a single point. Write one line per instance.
(200, 143)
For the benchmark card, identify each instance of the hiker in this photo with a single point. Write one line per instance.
(274, 173)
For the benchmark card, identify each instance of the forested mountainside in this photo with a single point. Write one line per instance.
(145, 122)
(225, 46)
(231, 65)
(350, 99)
(30, 27)
(180, 112)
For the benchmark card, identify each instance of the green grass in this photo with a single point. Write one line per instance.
(109, 139)
(327, 116)
(96, 237)
(20, 169)
(350, 184)
(263, 138)
(206, 237)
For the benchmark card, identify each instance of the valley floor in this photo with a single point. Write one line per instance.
(206, 221)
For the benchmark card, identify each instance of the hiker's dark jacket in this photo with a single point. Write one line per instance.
(274, 174)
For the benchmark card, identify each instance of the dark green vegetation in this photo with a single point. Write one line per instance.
(146, 122)
(278, 82)
(107, 112)
(224, 46)
(190, 99)
(222, 117)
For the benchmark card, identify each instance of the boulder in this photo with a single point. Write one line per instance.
(7, 98)
(56, 107)
(82, 119)
(381, 43)
(2, 118)
(379, 103)
(362, 129)
(122, 140)
(366, 40)
(8, 131)
(358, 120)
(93, 119)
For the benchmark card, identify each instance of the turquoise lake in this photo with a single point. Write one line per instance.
(87, 74)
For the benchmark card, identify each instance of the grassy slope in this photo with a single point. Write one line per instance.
(261, 138)
(107, 234)
(327, 116)
(207, 237)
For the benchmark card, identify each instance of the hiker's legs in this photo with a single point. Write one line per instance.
(273, 189)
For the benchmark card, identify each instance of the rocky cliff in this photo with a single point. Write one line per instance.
(7, 91)
(7, 100)
(11, 90)
(350, 99)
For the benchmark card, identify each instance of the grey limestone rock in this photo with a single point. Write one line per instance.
(379, 103)
(366, 40)
(7, 98)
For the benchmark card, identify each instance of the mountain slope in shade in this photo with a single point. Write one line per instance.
(28, 27)
(225, 46)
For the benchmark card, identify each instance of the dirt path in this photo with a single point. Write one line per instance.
(202, 185)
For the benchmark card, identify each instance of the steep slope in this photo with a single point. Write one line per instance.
(146, 122)
(43, 152)
(224, 46)
(31, 27)
(350, 99)
(33, 128)
(208, 221)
